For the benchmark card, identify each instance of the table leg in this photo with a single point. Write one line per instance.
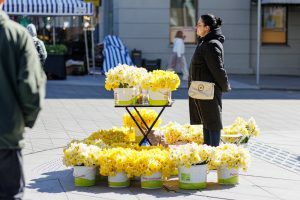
(142, 131)
(152, 125)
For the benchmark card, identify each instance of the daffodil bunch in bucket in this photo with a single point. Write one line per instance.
(160, 84)
(123, 79)
(149, 116)
(117, 164)
(175, 133)
(228, 159)
(172, 133)
(192, 160)
(113, 135)
(84, 160)
(240, 131)
(193, 133)
(153, 164)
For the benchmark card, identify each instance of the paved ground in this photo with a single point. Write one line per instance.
(78, 106)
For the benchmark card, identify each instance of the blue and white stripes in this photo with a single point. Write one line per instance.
(48, 7)
(115, 53)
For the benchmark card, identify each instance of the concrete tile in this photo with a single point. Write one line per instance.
(48, 189)
(285, 194)
(60, 142)
(270, 182)
(83, 196)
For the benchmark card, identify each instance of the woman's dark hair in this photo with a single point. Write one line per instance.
(179, 34)
(211, 21)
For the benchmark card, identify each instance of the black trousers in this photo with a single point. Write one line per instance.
(211, 138)
(12, 181)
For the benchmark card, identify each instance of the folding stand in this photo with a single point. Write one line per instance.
(148, 129)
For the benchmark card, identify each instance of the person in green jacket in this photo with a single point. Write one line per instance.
(22, 90)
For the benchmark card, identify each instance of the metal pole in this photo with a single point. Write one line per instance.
(258, 42)
(86, 50)
(93, 46)
(54, 40)
(99, 22)
(93, 51)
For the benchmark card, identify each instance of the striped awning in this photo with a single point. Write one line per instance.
(280, 1)
(48, 7)
(115, 52)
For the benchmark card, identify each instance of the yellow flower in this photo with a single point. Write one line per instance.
(113, 135)
(149, 115)
(124, 76)
(191, 154)
(160, 79)
(174, 133)
(80, 154)
(135, 161)
(231, 156)
(242, 127)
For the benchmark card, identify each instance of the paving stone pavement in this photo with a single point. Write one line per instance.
(73, 109)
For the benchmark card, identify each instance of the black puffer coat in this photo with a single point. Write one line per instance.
(208, 65)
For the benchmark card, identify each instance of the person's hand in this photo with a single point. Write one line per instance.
(229, 88)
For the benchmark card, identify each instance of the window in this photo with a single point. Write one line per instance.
(67, 29)
(274, 29)
(183, 17)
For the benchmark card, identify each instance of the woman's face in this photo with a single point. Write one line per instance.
(201, 28)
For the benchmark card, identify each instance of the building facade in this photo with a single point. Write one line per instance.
(149, 26)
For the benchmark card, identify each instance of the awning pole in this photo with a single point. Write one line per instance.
(86, 50)
(53, 37)
(258, 42)
(99, 25)
(93, 46)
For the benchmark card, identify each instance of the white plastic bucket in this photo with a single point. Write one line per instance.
(125, 96)
(228, 176)
(151, 182)
(84, 176)
(193, 178)
(119, 180)
(159, 97)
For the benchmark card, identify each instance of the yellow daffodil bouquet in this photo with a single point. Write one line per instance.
(149, 115)
(160, 79)
(193, 133)
(175, 133)
(124, 76)
(240, 130)
(191, 154)
(152, 160)
(110, 136)
(119, 159)
(172, 132)
(80, 154)
(230, 156)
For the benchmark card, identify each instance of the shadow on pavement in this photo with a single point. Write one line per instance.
(62, 181)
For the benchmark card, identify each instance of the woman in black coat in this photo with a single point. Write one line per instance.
(207, 65)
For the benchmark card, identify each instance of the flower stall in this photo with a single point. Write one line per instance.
(118, 152)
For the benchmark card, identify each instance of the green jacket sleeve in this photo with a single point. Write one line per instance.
(31, 81)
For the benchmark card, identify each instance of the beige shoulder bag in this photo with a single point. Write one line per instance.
(202, 90)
